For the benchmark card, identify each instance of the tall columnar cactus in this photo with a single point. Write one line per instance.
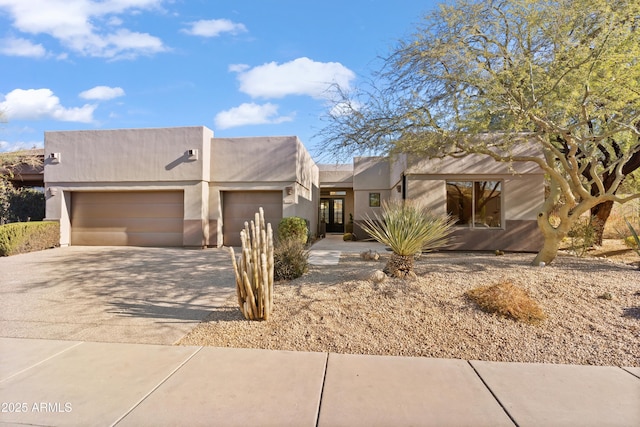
(254, 269)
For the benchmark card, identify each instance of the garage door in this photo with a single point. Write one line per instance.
(241, 206)
(133, 218)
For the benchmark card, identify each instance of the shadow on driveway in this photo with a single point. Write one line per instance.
(112, 294)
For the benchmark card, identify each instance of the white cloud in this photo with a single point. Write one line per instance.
(250, 114)
(102, 93)
(88, 27)
(301, 76)
(12, 46)
(36, 104)
(214, 27)
(20, 145)
(238, 68)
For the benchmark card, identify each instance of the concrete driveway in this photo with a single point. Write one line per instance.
(112, 294)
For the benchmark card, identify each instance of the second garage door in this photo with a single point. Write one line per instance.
(241, 206)
(132, 218)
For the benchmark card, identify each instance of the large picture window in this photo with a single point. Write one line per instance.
(475, 204)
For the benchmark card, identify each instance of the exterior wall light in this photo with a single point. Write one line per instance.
(398, 188)
(289, 191)
(192, 153)
(55, 157)
(53, 191)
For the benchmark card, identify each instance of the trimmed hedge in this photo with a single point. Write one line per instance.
(20, 205)
(23, 237)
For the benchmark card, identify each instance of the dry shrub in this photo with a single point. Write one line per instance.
(509, 300)
(290, 259)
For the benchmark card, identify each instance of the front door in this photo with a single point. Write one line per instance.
(332, 213)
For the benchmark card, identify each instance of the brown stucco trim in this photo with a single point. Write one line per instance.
(194, 233)
(517, 236)
(213, 233)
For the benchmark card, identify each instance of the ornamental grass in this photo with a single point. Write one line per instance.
(508, 300)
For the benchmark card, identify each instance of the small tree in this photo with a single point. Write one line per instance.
(408, 229)
(559, 76)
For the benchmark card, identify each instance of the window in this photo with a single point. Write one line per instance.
(475, 204)
(374, 200)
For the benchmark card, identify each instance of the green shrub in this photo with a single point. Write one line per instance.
(582, 236)
(290, 259)
(22, 237)
(26, 204)
(293, 227)
(20, 205)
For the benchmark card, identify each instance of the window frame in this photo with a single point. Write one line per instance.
(472, 223)
(375, 200)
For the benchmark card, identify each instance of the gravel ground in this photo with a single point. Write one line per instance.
(338, 309)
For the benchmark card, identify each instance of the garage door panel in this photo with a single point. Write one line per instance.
(111, 197)
(133, 210)
(150, 218)
(241, 206)
(132, 225)
(122, 238)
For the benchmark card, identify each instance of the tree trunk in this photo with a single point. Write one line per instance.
(599, 215)
(399, 266)
(549, 249)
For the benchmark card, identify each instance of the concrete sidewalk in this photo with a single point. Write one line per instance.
(65, 383)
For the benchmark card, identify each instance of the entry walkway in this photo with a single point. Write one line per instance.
(327, 251)
(72, 383)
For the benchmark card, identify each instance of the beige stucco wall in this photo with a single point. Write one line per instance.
(425, 181)
(432, 193)
(370, 175)
(336, 175)
(254, 159)
(127, 155)
(280, 163)
(473, 164)
(129, 160)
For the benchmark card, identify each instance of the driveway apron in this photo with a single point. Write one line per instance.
(112, 294)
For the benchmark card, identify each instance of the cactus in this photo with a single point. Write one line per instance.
(254, 269)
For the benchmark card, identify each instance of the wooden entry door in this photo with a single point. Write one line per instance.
(332, 212)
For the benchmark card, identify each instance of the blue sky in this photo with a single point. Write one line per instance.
(240, 68)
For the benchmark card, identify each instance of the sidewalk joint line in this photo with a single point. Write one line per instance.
(184, 362)
(324, 379)
(493, 394)
(42, 361)
(629, 372)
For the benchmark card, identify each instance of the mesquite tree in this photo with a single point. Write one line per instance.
(497, 76)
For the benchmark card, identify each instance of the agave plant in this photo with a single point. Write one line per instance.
(408, 229)
(635, 236)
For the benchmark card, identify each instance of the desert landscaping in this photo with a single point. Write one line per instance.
(591, 304)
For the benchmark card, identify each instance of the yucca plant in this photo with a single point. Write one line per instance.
(408, 229)
(635, 236)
